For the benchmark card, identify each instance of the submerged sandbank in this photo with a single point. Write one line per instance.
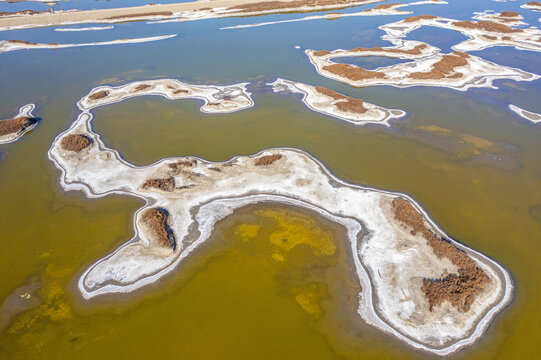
(394, 257)
(528, 115)
(14, 45)
(13, 129)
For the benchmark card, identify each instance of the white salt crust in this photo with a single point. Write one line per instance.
(389, 261)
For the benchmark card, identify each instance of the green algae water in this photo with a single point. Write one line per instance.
(246, 293)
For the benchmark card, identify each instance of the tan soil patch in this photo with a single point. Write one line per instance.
(267, 159)
(156, 221)
(459, 289)
(75, 142)
(509, 14)
(13, 126)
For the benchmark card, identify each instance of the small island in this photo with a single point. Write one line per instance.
(13, 129)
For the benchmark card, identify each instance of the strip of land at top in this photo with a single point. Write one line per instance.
(199, 9)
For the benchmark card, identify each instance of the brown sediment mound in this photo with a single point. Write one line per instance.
(12, 41)
(486, 26)
(282, 5)
(345, 103)
(162, 184)
(75, 142)
(509, 14)
(141, 87)
(445, 67)
(156, 221)
(267, 159)
(459, 289)
(353, 72)
(489, 37)
(98, 95)
(180, 91)
(534, 3)
(321, 53)
(13, 126)
(419, 17)
(148, 14)
(176, 167)
(415, 51)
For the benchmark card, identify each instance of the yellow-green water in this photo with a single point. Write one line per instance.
(245, 294)
(471, 164)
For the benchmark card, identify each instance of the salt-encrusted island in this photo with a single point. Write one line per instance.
(418, 284)
(13, 129)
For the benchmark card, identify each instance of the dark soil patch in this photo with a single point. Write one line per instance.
(141, 87)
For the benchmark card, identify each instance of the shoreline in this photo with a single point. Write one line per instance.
(196, 214)
(202, 9)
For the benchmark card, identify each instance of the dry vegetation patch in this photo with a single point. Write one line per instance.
(75, 142)
(486, 26)
(15, 125)
(445, 68)
(161, 184)
(141, 87)
(267, 159)
(98, 95)
(148, 14)
(459, 289)
(282, 5)
(354, 73)
(419, 17)
(156, 221)
(344, 103)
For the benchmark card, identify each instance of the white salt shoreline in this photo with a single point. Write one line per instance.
(525, 114)
(297, 179)
(6, 46)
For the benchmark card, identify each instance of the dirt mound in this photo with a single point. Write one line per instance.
(162, 184)
(345, 103)
(15, 125)
(384, 6)
(267, 159)
(417, 18)
(445, 68)
(75, 142)
(354, 73)
(534, 3)
(98, 95)
(141, 87)
(148, 14)
(180, 91)
(156, 221)
(459, 289)
(486, 26)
